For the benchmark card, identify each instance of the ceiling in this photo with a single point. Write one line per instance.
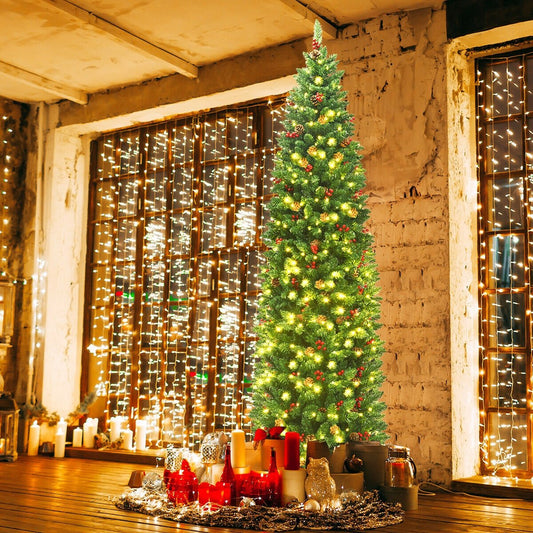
(55, 49)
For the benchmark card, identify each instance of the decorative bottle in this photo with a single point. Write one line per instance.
(228, 481)
(273, 498)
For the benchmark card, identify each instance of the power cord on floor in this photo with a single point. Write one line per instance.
(423, 492)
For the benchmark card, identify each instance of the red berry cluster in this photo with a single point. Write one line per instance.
(339, 404)
(344, 227)
(289, 189)
(319, 375)
(292, 134)
(358, 402)
(279, 240)
(294, 281)
(314, 248)
(291, 407)
(312, 264)
(340, 372)
(360, 371)
(328, 192)
(317, 98)
(277, 180)
(309, 167)
(365, 435)
(316, 44)
(295, 217)
(371, 341)
(320, 345)
(362, 288)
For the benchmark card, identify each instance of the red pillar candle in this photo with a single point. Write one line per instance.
(292, 450)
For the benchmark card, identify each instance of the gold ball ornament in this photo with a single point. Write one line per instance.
(311, 505)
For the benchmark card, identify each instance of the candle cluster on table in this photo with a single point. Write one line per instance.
(231, 481)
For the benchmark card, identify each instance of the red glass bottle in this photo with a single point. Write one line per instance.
(228, 481)
(273, 498)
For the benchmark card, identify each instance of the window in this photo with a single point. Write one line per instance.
(175, 217)
(505, 154)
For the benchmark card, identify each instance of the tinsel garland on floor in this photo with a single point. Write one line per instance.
(368, 512)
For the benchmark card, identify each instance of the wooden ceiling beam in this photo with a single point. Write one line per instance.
(133, 41)
(328, 30)
(40, 82)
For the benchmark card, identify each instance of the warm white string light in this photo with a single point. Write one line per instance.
(200, 253)
(504, 141)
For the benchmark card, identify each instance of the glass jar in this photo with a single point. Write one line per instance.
(400, 469)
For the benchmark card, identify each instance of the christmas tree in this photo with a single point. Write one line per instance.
(319, 358)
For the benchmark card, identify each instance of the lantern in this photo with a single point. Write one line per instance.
(9, 419)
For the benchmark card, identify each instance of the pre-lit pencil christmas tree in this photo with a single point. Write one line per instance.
(319, 370)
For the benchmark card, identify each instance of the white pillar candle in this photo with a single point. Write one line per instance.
(140, 435)
(90, 428)
(77, 438)
(293, 485)
(62, 426)
(33, 440)
(115, 424)
(238, 449)
(127, 439)
(59, 445)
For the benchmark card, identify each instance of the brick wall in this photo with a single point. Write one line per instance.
(395, 75)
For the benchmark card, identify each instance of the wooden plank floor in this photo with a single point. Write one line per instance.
(42, 494)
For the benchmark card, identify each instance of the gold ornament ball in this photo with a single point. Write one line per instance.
(311, 505)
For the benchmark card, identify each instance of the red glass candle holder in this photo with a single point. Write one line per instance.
(182, 486)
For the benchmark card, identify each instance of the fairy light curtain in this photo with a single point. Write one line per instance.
(176, 214)
(505, 156)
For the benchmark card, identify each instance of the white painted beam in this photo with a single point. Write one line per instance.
(124, 36)
(327, 29)
(40, 82)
